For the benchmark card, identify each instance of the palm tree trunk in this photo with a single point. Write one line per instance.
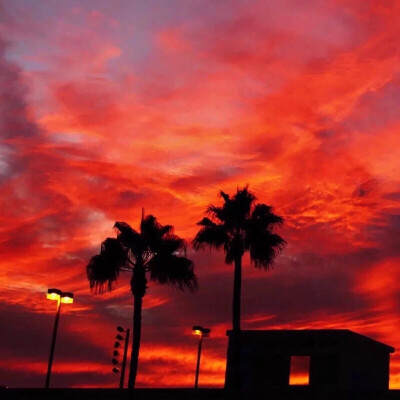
(138, 288)
(237, 284)
(137, 331)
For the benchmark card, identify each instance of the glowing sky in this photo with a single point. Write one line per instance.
(110, 106)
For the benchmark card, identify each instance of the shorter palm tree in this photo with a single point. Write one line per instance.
(154, 253)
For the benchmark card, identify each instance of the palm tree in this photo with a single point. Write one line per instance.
(238, 226)
(154, 253)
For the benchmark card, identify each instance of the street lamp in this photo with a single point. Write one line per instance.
(60, 297)
(201, 332)
(116, 353)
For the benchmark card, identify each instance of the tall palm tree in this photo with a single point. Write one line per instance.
(238, 226)
(154, 253)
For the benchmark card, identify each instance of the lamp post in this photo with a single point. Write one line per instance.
(60, 297)
(201, 332)
(117, 345)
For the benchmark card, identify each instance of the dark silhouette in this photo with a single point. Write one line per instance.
(116, 353)
(338, 360)
(155, 251)
(238, 226)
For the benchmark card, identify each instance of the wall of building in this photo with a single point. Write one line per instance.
(337, 362)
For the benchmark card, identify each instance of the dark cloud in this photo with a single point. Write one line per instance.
(365, 188)
(394, 196)
(206, 177)
(16, 124)
(15, 121)
(376, 109)
(384, 234)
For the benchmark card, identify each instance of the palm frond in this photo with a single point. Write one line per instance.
(160, 238)
(263, 215)
(216, 212)
(241, 204)
(234, 248)
(167, 230)
(128, 236)
(171, 244)
(103, 269)
(173, 270)
(211, 236)
(166, 261)
(152, 231)
(224, 195)
(150, 225)
(229, 255)
(264, 248)
(206, 222)
(235, 209)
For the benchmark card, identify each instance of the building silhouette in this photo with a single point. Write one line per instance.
(323, 360)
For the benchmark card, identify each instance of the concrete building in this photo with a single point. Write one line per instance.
(323, 360)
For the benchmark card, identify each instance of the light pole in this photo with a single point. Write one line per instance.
(201, 332)
(60, 297)
(116, 354)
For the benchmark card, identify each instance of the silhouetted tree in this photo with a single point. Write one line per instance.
(238, 226)
(154, 251)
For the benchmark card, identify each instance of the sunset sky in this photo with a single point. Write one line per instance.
(110, 106)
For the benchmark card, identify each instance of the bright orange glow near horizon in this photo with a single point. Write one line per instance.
(108, 107)
(299, 370)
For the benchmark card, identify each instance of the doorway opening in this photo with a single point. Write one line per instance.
(299, 370)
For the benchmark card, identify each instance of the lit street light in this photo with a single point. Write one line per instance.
(201, 332)
(60, 297)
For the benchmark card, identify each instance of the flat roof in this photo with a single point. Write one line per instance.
(303, 336)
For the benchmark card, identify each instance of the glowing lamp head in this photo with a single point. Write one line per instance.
(67, 297)
(197, 330)
(200, 331)
(53, 294)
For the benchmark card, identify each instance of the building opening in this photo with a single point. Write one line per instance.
(299, 370)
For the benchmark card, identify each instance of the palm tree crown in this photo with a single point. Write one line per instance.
(155, 249)
(155, 252)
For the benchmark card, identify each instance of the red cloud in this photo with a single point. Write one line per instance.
(105, 111)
